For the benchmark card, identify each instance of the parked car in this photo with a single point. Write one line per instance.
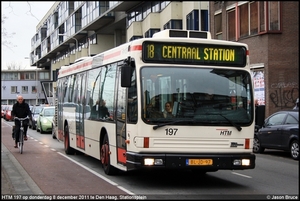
(45, 118)
(280, 131)
(2, 110)
(7, 114)
(35, 111)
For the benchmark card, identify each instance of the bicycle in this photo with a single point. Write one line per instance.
(21, 134)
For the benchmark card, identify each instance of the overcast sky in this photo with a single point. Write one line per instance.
(20, 18)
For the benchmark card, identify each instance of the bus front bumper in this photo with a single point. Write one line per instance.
(205, 162)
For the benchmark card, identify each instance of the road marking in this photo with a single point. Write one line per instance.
(98, 175)
(91, 171)
(242, 175)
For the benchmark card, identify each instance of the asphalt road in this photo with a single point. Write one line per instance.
(52, 173)
(44, 171)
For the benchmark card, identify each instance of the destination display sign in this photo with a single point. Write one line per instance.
(194, 53)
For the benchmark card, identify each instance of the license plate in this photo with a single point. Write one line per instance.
(199, 162)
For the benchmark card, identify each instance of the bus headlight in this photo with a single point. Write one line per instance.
(152, 161)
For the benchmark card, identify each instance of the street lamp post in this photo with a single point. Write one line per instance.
(76, 43)
(36, 84)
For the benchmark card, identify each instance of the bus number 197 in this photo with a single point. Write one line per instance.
(171, 131)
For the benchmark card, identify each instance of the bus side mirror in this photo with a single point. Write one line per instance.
(126, 72)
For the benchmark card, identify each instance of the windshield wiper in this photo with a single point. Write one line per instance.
(238, 127)
(172, 122)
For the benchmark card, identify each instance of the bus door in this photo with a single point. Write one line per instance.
(61, 95)
(81, 80)
(121, 121)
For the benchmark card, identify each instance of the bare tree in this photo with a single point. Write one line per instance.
(15, 66)
(5, 35)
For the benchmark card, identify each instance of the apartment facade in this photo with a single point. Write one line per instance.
(71, 30)
(34, 85)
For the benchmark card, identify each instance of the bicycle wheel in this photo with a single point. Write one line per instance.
(21, 142)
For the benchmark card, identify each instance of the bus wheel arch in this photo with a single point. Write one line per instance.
(68, 150)
(105, 155)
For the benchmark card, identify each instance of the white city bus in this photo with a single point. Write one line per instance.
(136, 79)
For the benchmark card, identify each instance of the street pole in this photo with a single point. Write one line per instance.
(36, 85)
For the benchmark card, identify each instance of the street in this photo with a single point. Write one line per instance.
(56, 173)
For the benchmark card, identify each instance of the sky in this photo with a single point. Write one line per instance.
(19, 19)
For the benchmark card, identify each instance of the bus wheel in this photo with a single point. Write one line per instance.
(105, 157)
(68, 150)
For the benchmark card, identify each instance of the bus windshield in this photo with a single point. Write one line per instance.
(197, 96)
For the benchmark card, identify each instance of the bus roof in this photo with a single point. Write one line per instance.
(123, 51)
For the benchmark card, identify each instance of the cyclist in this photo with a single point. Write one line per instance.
(21, 110)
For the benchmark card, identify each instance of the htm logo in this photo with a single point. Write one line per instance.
(6, 197)
(225, 132)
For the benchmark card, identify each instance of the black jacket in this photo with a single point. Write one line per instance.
(21, 110)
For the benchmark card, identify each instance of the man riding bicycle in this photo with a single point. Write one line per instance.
(21, 110)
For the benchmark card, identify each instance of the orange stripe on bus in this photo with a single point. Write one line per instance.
(109, 56)
(136, 47)
(77, 67)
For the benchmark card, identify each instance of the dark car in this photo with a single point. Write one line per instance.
(35, 111)
(280, 131)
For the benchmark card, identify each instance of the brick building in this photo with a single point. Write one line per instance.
(270, 28)
(75, 29)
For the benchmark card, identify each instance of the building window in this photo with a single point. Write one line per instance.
(155, 6)
(204, 20)
(13, 76)
(14, 89)
(135, 37)
(44, 76)
(32, 76)
(218, 25)
(93, 39)
(262, 17)
(146, 9)
(252, 19)
(244, 20)
(150, 32)
(24, 89)
(33, 89)
(173, 24)
(231, 25)
(274, 10)
(164, 4)
(192, 20)
(25, 76)
(248, 15)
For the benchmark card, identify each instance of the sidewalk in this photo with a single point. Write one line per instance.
(6, 187)
(14, 178)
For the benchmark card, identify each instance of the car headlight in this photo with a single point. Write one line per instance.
(45, 121)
